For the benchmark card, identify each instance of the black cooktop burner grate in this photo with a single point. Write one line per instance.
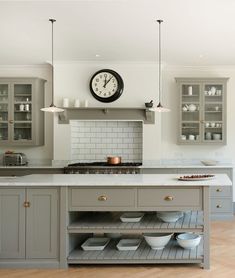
(105, 164)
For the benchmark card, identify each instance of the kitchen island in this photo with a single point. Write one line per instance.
(45, 218)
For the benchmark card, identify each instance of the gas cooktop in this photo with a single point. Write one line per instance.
(105, 164)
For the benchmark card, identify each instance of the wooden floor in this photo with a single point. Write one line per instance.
(222, 263)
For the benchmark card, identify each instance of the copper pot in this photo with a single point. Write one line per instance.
(113, 160)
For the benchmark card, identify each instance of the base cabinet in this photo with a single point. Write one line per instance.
(221, 198)
(28, 223)
(85, 222)
(12, 223)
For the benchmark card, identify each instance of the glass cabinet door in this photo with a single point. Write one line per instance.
(190, 113)
(22, 124)
(213, 113)
(4, 112)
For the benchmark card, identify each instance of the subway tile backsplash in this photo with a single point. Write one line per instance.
(95, 140)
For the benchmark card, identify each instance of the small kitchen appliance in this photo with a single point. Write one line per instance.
(14, 159)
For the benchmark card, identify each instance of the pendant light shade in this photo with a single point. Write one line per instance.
(159, 107)
(52, 108)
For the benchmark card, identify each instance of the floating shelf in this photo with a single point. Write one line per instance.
(172, 253)
(103, 222)
(109, 113)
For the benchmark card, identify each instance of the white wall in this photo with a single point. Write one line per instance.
(42, 153)
(140, 85)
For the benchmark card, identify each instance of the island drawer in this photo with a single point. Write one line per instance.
(221, 191)
(96, 198)
(170, 197)
(221, 205)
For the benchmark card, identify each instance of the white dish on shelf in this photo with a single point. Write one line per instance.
(131, 216)
(170, 216)
(95, 243)
(196, 177)
(188, 240)
(129, 244)
(157, 241)
(209, 162)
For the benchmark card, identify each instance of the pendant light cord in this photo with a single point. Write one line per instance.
(159, 59)
(52, 57)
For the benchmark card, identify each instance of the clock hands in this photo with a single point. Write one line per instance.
(105, 83)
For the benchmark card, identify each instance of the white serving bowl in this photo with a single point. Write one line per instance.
(169, 216)
(157, 241)
(209, 162)
(188, 240)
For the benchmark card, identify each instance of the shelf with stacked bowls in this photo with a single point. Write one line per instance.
(135, 237)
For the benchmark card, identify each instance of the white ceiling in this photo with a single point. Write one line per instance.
(194, 32)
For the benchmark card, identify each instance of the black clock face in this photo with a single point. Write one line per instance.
(106, 85)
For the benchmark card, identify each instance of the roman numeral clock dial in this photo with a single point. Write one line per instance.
(106, 85)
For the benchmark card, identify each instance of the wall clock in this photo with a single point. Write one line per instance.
(106, 85)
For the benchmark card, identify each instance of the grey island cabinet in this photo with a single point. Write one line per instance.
(28, 226)
(44, 219)
(221, 198)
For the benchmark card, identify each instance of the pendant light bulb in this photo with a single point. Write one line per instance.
(52, 108)
(159, 107)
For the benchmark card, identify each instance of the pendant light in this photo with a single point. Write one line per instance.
(52, 108)
(159, 107)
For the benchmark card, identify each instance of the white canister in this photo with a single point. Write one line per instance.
(77, 103)
(26, 107)
(190, 90)
(65, 102)
(21, 107)
(191, 137)
(86, 103)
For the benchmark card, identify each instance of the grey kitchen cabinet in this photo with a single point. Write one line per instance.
(221, 199)
(85, 222)
(12, 223)
(202, 111)
(29, 223)
(21, 121)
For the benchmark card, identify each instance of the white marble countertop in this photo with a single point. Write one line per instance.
(29, 166)
(144, 166)
(110, 180)
(195, 166)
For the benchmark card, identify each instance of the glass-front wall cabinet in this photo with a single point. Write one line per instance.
(21, 121)
(4, 108)
(202, 109)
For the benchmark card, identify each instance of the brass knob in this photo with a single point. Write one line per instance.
(26, 204)
(219, 206)
(218, 190)
(10, 121)
(102, 198)
(169, 198)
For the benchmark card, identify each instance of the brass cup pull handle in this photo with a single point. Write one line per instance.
(169, 198)
(219, 190)
(219, 206)
(102, 198)
(10, 121)
(26, 204)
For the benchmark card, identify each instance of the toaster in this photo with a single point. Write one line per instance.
(14, 159)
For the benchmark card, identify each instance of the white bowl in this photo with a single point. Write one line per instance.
(169, 216)
(157, 241)
(188, 240)
(209, 162)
